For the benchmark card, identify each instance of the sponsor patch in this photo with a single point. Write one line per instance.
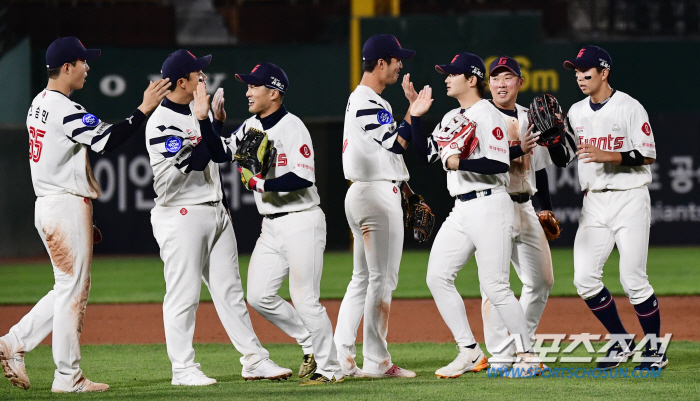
(384, 117)
(646, 128)
(183, 211)
(90, 120)
(305, 151)
(173, 144)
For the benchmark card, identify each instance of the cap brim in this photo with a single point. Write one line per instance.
(203, 62)
(91, 54)
(506, 67)
(403, 54)
(249, 79)
(448, 69)
(569, 65)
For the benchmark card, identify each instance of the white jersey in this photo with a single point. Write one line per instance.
(171, 137)
(369, 132)
(295, 154)
(493, 144)
(60, 132)
(522, 169)
(621, 125)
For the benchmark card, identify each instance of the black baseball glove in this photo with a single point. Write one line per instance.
(254, 155)
(418, 217)
(546, 115)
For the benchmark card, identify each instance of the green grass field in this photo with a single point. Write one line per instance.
(143, 372)
(672, 271)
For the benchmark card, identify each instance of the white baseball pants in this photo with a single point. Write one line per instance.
(64, 223)
(532, 261)
(292, 246)
(197, 243)
(481, 226)
(609, 218)
(373, 210)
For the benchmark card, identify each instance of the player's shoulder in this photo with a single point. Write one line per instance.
(165, 121)
(521, 109)
(577, 107)
(363, 96)
(625, 100)
(291, 121)
(450, 114)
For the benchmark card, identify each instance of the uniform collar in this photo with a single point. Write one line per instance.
(512, 113)
(598, 106)
(271, 120)
(176, 107)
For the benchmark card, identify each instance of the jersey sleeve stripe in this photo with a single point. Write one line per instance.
(370, 127)
(367, 112)
(160, 139)
(98, 138)
(79, 131)
(73, 117)
(172, 127)
(167, 155)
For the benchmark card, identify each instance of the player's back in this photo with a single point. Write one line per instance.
(58, 161)
(364, 157)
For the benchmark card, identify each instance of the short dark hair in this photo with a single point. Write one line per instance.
(53, 73)
(600, 70)
(369, 65)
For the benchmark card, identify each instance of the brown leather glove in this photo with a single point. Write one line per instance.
(96, 235)
(549, 224)
(419, 217)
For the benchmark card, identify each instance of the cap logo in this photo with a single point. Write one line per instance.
(476, 71)
(90, 120)
(255, 68)
(188, 52)
(604, 63)
(384, 117)
(277, 83)
(453, 60)
(173, 144)
(502, 60)
(580, 53)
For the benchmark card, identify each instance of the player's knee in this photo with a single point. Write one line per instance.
(434, 280)
(258, 300)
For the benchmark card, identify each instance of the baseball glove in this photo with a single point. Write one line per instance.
(418, 217)
(549, 224)
(546, 115)
(96, 235)
(254, 155)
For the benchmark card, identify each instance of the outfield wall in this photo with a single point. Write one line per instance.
(318, 93)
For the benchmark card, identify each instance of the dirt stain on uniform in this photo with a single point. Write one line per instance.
(79, 304)
(365, 236)
(60, 248)
(351, 361)
(384, 309)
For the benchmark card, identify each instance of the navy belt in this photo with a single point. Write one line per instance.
(473, 195)
(520, 198)
(276, 215)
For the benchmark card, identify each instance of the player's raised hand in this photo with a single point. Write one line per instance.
(529, 140)
(217, 105)
(201, 102)
(408, 89)
(153, 95)
(588, 153)
(423, 102)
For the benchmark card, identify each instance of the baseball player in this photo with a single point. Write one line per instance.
(193, 228)
(60, 134)
(373, 146)
(293, 235)
(615, 148)
(472, 144)
(530, 255)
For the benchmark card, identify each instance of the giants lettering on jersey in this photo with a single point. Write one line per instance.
(605, 143)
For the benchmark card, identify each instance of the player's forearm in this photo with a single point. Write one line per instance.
(200, 158)
(286, 183)
(420, 142)
(403, 137)
(542, 184)
(483, 165)
(515, 152)
(124, 129)
(212, 141)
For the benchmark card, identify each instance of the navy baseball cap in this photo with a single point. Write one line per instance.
(384, 45)
(508, 63)
(182, 62)
(67, 50)
(464, 63)
(589, 57)
(267, 75)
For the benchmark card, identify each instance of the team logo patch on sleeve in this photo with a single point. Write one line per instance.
(646, 128)
(498, 133)
(305, 151)
(90, 120)
(384, 117)
(173, 144)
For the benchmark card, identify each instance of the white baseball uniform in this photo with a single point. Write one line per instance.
(196, 239)
(291, 244)
(483, 224)
(60, 133)
(373, 210)
(531, 256)
(616, 207)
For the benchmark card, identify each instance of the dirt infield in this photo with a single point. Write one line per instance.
(410, 321)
